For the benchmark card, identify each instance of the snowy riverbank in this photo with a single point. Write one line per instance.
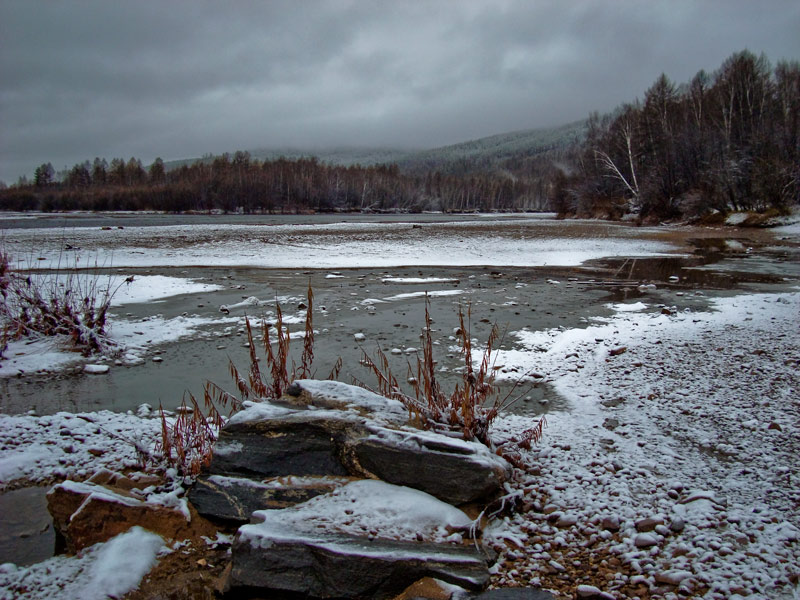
(692, 426)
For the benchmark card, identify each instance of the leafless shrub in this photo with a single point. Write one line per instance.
(64, 303)
(474, 402)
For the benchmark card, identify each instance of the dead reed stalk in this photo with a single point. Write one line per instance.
(64, 303)
(474, 402)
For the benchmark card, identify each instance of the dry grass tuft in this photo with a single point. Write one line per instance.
(187, 443)
(64, 303)
(474, 402)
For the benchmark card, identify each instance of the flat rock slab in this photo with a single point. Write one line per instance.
(236, 498)
(87, 513)
(330, 429)
(516, 594)
(367, 539)
(344, 566)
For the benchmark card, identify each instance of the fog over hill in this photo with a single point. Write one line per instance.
(479, 154)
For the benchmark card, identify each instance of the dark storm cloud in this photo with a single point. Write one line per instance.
(177, 79)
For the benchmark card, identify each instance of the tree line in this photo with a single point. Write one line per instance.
(724, 141)
(239, 183)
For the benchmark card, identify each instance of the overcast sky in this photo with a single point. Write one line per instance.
(178, 79)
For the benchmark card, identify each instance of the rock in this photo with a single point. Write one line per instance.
(775, 426)
(610, 423)
(591, 592)
(618, 351)
(516, 594)
(649, 524)
(645, 540)
(357, 542)
(333, 429)
(673, 577)
(236, 498)
(677, 525)
(96, 369)
(342, 566)
(87, 513)
(359, 337)
(610, 523)
(429, 588)
(452, 470)
(695, 495)
(566, 521)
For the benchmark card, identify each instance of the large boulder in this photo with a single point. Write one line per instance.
(331, 429)
(368, 539)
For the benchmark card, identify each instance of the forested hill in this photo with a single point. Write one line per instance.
(505, 151)
(484, 154)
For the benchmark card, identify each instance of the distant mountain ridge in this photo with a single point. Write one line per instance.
(483, 153)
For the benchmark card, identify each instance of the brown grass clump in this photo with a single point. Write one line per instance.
(187, 443)
(63, 303)
(257, 385)
(474, 402)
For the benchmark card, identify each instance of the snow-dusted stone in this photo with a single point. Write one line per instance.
(610, 523)
(590, 592)
(645, 540)
(515, 594)
(96, 369)
(673, 577)
(333, 429)
(236, 498)
(367, 539)
(450, 469)
(648, 524)
(87, 513)
(677, 525)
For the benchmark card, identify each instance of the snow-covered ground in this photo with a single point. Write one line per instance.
(108, 570)
(692, 425)
(689, 419)
(532, 242)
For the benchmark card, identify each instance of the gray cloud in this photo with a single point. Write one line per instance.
(177, 79)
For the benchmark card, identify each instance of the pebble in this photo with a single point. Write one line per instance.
(566, 521)
(359, 337)
(610, 523)
(591, 592)
(677, 525)
(648, 524)
(673, 577)
(645, 540)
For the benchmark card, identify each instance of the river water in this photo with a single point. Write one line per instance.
(384, 303)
